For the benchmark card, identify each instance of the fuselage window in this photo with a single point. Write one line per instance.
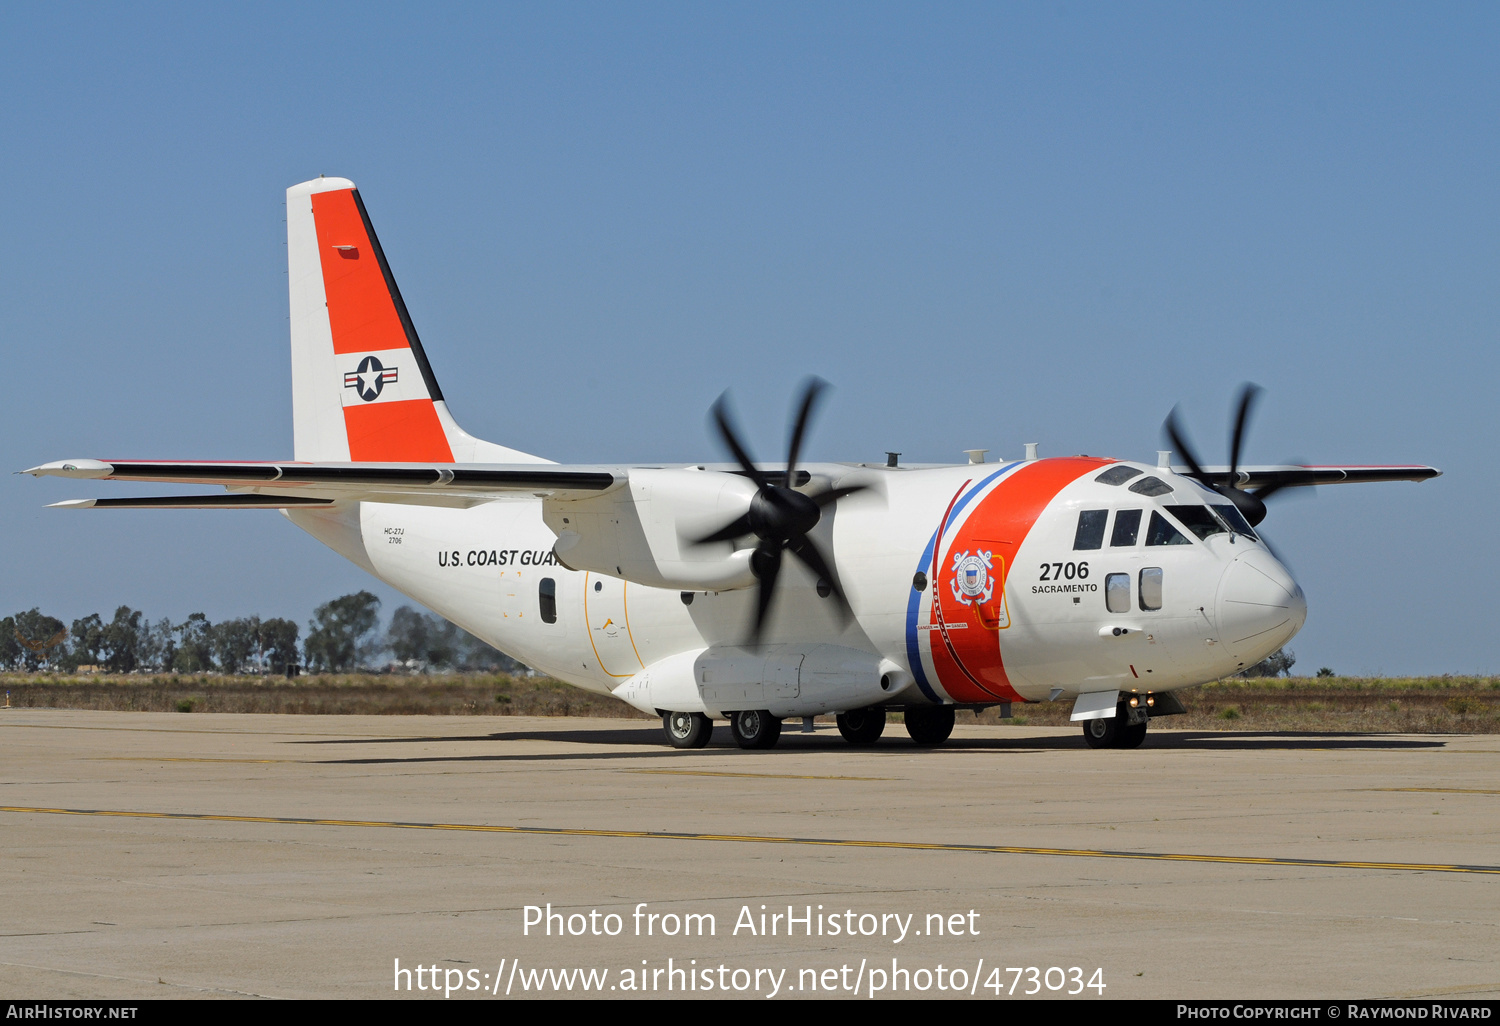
(1237, 520)
(547, 599)
(1151, 486)
(1161, 532)
(1199, 520)
(1117, 475)
(1117, 593)
(1127, 527)
(1151, 588)
(1090, 529)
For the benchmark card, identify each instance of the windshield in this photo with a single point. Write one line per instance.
(1198, 519)
(1236, 520)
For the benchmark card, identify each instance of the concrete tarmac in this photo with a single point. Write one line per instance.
(160, 855)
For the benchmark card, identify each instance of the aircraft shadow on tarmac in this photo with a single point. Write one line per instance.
(632, 744)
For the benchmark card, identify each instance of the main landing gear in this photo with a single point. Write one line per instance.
(754, 728)
(687, 730)
(929, 725)
(1118, 732)
(861, 726)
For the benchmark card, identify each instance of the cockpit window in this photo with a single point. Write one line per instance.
(1127, 527)
(1090, 529)
(1151, 486)
(1237, 520)
(1198, 519)
(1161, 532)
(1117, 475)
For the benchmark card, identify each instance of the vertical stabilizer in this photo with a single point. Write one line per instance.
(362, 389)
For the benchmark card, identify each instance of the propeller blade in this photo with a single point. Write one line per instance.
(737, 528)
(805, 549)
(815, 387)
(1195, 469)
(835, 494)
(767, 566)
(726, 431)
(1248, 395)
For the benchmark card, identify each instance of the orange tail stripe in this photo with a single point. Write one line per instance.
(360, 310)
(399, 432)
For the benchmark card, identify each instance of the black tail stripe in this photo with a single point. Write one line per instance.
(406, 324)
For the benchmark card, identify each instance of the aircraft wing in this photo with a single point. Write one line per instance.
(291, 484)
(1297, 476)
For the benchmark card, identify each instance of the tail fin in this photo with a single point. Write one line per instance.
(362, 389)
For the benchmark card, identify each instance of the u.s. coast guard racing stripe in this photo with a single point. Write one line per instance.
(914, 601)
(836, 842)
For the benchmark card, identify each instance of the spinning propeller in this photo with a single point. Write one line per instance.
(779, 516)
(1251, 504)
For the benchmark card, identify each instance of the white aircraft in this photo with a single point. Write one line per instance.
(921, 589)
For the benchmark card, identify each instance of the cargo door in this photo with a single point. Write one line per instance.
(606, 611)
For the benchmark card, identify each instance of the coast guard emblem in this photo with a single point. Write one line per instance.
(971, 577)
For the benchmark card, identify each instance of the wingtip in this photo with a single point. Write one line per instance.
(72, 504)
(85, 469)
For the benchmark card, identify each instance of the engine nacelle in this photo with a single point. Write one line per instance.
(642, 532)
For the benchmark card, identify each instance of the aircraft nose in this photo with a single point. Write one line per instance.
(1260, 606)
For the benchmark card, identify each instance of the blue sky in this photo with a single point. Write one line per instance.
(985, 225)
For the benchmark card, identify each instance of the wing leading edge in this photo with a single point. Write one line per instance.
(290, 484)
(1297, 476)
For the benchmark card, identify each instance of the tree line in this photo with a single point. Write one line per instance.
(343, 635)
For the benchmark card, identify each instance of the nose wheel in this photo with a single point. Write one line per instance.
(1116, 732)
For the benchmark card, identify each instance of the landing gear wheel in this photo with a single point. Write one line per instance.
(1102, 733)
(754, 728)
(687, 730)
(929, 725)
(862, 726)
(1131, 735)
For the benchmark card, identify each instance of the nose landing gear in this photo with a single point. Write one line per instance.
(1126, 729)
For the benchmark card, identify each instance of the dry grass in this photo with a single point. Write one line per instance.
(1374, 705)
(369, 694)
(1423, 705)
